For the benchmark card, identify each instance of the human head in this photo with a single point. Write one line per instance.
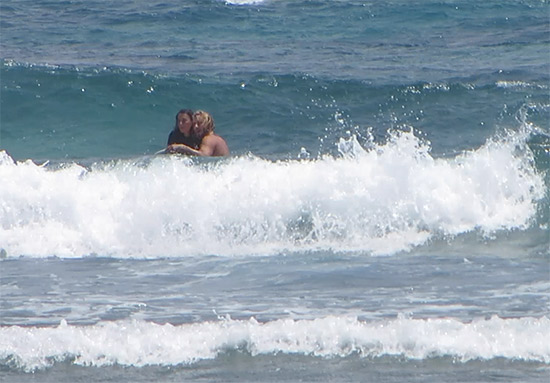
(203, 123)
(184, 122)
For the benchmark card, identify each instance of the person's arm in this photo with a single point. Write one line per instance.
(207, 147)
(184, 149)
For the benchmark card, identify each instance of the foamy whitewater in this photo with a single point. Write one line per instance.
(384, 214)
(387, 199)
(137, 343)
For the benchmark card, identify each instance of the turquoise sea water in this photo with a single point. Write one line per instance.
(384, 215)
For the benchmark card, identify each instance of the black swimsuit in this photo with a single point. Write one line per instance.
(177, 137)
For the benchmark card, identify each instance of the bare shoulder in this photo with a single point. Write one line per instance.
(219, 145)
(213, 145)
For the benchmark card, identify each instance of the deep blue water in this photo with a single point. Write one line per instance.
(384, 215)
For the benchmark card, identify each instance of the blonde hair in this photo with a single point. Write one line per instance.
(204, 119)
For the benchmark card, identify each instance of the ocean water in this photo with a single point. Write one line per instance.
(384, 215)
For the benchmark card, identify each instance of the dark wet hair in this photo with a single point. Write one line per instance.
(189, 112)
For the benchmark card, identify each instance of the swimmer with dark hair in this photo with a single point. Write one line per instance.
(210, 143)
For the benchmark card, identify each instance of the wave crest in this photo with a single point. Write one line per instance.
(384, 199)
(140, 343)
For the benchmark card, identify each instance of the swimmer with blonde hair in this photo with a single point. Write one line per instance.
(210, 143)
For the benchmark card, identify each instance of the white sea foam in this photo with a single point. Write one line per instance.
(140, 343)
(389, 198)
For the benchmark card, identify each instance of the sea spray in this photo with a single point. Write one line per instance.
(139, 343)
(381, 200)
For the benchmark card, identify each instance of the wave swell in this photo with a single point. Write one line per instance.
(140, 343)
(383, 199)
